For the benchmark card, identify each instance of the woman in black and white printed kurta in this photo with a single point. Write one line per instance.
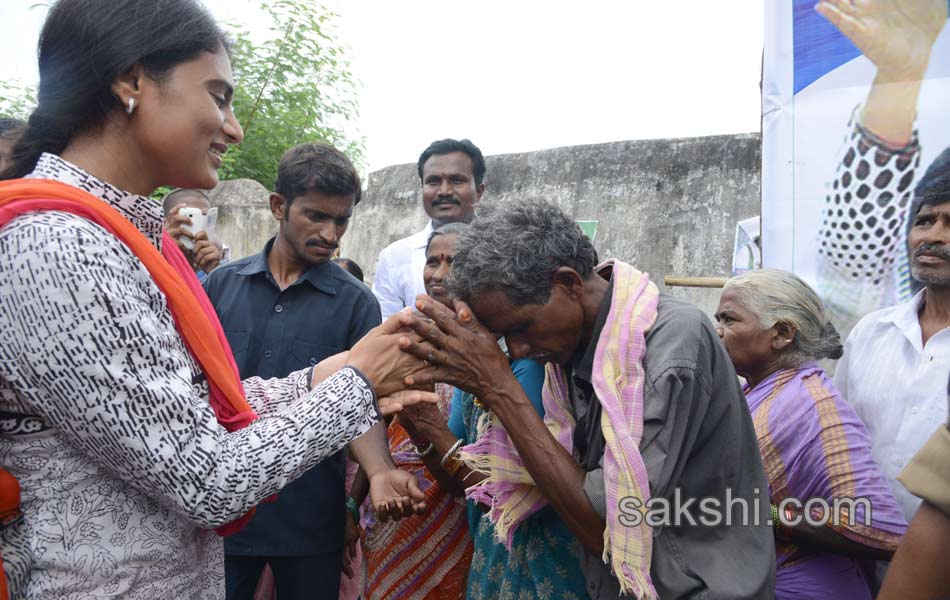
(105, 420)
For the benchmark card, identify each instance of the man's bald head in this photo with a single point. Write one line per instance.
(192, 198)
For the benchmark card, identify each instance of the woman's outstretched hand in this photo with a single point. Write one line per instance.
(388, 405)
(379, 357)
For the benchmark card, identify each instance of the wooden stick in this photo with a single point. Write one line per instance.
(703, 282)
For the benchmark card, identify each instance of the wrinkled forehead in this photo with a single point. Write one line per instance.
(730, 297)
(935, 208)
(734, 301)
(500, 315)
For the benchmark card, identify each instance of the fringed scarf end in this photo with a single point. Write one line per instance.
(634, 582)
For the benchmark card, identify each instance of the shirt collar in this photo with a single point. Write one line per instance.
(906, 318)
(319, 276)
(422, 238)
(143, 212)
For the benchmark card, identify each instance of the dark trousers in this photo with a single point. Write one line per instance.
(295, 577)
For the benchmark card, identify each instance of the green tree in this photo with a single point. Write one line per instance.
(16, 100)
(295, 86)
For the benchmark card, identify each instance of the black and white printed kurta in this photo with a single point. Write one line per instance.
(105, 420)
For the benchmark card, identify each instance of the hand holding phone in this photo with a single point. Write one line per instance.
(199, 222)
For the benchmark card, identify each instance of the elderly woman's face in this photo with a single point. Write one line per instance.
(749, 345)
(438, 265)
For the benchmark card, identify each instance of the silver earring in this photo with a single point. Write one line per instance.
(131, 107)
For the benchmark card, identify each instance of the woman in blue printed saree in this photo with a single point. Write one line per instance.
(813, 444)
(543, 559)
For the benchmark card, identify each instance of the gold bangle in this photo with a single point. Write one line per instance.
(453, 467)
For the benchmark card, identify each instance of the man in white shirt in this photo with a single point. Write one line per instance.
(897, 360)
(452, 173)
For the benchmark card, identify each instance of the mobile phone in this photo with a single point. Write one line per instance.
(198, 220)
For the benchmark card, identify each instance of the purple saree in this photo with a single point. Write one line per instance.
(814, 446)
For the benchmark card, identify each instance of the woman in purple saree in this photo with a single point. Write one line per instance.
(813, 444)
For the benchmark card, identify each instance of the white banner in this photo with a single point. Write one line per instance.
(855, 107)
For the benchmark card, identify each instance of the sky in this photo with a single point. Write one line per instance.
(518, 75)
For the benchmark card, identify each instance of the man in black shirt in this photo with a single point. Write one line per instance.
(284, 309)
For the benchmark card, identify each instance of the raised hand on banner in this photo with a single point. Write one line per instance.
(896, 35)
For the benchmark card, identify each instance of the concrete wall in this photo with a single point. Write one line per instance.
(670, 207)
(244, 219)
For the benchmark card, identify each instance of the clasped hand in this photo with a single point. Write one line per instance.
(389, 404)
(455, 347)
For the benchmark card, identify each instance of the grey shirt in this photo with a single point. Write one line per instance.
(698, 438)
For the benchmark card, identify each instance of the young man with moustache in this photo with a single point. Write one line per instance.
(284, 309)
(452, 174)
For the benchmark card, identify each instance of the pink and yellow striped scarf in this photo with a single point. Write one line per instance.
(618, 381)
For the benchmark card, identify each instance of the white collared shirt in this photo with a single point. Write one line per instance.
(398, 278)
(897, 385)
